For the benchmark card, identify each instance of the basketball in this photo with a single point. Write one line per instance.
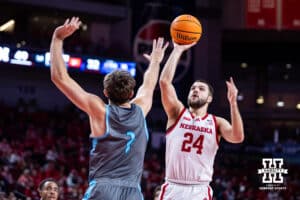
(185, 29)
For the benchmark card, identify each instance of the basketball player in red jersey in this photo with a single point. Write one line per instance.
(193, 135)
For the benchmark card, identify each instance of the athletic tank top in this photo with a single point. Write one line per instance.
(119, 153)
(191, 146)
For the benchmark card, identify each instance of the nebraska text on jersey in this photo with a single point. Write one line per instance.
(196, 128)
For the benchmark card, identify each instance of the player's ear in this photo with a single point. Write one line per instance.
(131, 94)
(40, 192)
(209, 99)
(105, 93)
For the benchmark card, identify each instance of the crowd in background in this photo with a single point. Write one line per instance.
(37, 144)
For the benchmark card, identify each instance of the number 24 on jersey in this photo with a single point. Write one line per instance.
(190, 142)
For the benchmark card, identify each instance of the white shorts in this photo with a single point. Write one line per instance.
(174, 191)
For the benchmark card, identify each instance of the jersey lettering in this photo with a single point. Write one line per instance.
(189, 143)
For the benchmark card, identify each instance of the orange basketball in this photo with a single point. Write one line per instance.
(185, 29)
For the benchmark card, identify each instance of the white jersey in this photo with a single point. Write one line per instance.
(191, 146)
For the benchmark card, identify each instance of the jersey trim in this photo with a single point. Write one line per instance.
(106, 124)
(202, 118)
(163, 191)
(94, 144)
(216, 128)
(177, 120)
(192, 115)
(87, 194)
(107, 118)
(209, 194)
(145, 123)
(205, 116)
(146, 130)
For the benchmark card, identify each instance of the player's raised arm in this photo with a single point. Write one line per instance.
(144, 96)
(171, 104)
(59, 74)
(233, 132)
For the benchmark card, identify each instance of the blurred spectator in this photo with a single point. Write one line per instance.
(73, 180)
(48, 189)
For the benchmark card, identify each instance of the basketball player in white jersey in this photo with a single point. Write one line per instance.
(193, 135)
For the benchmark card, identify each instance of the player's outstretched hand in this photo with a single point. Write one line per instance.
(232, 91)
(158, 50)
(183, 47)
(67, 29)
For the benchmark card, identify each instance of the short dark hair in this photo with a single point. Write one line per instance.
(43, 182)
(119, 85)
(210, 88)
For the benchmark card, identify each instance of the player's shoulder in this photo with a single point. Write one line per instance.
(96, 105)
(220, 120)
(136, 107)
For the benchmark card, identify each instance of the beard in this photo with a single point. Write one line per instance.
(197, 104)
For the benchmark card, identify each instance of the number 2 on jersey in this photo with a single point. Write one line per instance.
(189, 143)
